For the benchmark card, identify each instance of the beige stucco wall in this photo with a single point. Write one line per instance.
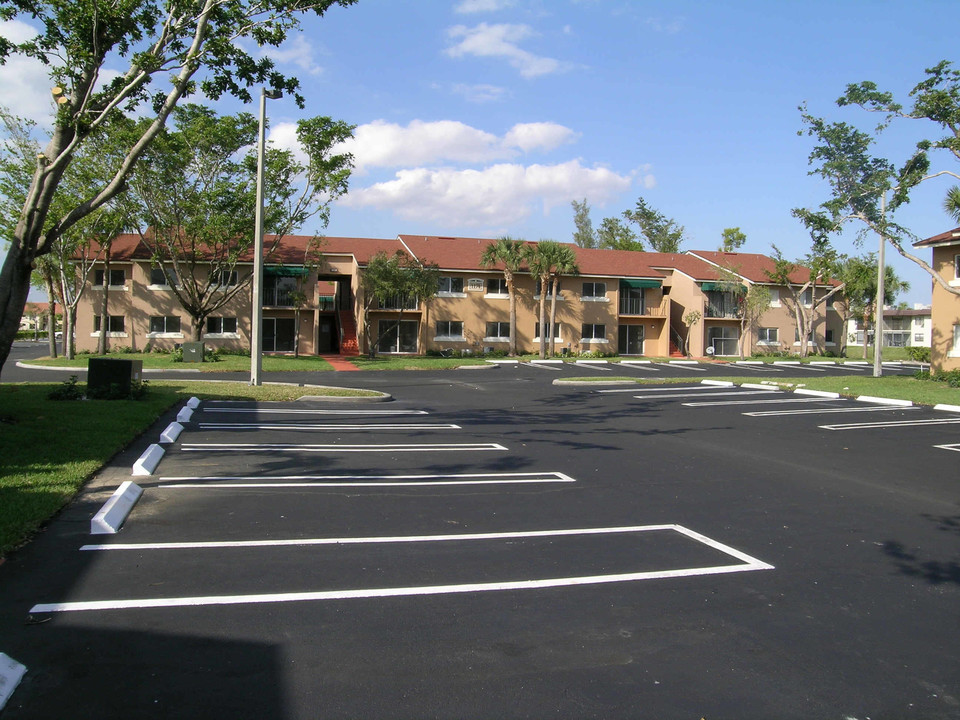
(945, 311)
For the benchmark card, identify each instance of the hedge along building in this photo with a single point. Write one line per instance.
(621, 302)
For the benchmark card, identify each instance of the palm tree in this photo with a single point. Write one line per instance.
(565, 264)
(543, 259)
(508, 252)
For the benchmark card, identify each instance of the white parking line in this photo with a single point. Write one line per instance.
(214, 482)
(818, 411)
(713, 394)
(663, 389)
(719, 403)
(299, 411)
(892, 424)
(746, 564)
(359, 427)
(955, 447)
(685, 364)
(274, 447)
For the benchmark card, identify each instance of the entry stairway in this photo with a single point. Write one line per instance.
(349, 345)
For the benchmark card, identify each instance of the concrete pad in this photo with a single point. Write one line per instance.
(718, 383)
(171, 433)
(885, 401)
(758, 386)
(116, 509)
(147, 463)
(11, 672)
(817, 393)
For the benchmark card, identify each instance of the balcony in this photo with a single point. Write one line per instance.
(636, 306)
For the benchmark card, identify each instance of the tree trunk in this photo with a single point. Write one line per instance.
(198, 328)
(553, 318)
(70, 323)
(104, 318)
(512, 291)
(51, 315)
(296, 332)
(543, 316)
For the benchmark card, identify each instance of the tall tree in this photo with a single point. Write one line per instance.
(859, 277)
(733, 239)
(509, 253)
(160, 48)
(752, 300)
(662, 234)
(196, 193)
(565, 263)
(614, 235)
(398, 277)
(544, 259)
(583, 234)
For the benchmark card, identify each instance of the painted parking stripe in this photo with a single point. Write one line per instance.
(358, 427)
(684, 364)
(214, 482)
(819, 411)
(301, 411)
(713, 394)
(892, 424)
(719, 403)
(756, 367)
(274, 447)
(955, 447)
(662, 389)
(745, 563)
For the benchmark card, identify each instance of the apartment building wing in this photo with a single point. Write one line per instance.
(945, 305)
(776, 329)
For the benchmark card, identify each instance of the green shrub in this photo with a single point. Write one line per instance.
(68, 390)
(919, 354)
(138, 390)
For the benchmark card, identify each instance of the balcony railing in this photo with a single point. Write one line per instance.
(636, 306)
(722, 311)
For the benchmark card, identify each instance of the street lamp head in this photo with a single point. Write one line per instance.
(272, 94)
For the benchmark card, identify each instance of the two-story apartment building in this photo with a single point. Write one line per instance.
(945, 305)
(621, 302)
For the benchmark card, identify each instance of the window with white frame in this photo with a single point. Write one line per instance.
(398, 337)
(221, 326)
(164, 325)
(807, 297)
(956, 267)
(557, 331)
(450, 286)
(449, 330)
(159, 279)
(497, 286)
(775, 297)
(594, 291)
(497, 331)
(476, 285)
(593, 332)
(768, 336)
(955, 349)
(224, 278)
(115, 324)
(549, 288)
(117, 278)
(918, 337)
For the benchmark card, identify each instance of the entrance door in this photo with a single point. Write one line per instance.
(278, 334)
(327, 342)
(630, 340)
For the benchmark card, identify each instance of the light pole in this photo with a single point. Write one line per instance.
(256, 329)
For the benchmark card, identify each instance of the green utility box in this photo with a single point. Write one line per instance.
(104, 373)
(193, 352)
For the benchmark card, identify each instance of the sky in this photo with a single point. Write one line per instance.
(483, 118)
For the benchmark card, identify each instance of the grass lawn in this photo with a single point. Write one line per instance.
(48, 449)
(227, 363)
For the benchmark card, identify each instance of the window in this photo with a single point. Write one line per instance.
(549, 288)
(593, 332)
(497, 286)
(955, 350)
(158, 278)
(723, 339)
(475, 285)
(221, 325)
(498, 331)
(722, 304)
(163, 324)
(449, 330)
(918, 321)
(768, 336)
(796, 336)
(828, 336)
(117, 278)
(807, 298)
(449, 285)
(956, 267)
(558, 328)
(918, 337)
(775, 297)
(114, 324)
(398, 337)
(594, 291)
(221, 278)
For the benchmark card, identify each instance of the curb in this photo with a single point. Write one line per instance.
(885, 401)
(116, 509)
(817, 393)
(148, 461)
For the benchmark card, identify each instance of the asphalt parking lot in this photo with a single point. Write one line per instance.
(490, 544)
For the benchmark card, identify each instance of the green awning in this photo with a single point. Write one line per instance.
(722, 287)
(285, 271)
(638, 284)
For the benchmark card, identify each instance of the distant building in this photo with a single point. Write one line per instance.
(902, 327)
(945, 307)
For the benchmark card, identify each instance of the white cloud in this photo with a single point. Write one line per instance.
(538, 136)
(501, 41)
(383, 144)
(480, 93)
(494, 196)
(297, 52)
(24, 82)
(477, 6)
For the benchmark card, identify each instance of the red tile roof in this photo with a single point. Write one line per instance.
(950, 237)
(753, 266)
